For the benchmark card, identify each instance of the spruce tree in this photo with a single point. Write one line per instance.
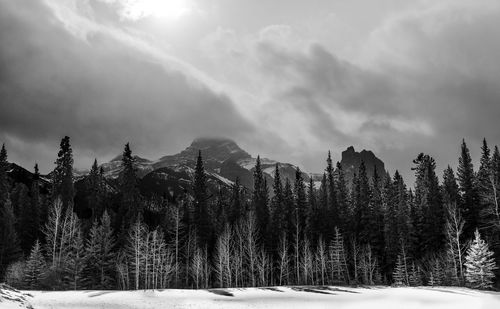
(35, 267)
(338, 259)
(130, 206)
(479, 265)
(27, 226)
(324, 227)
(4, 184)
(62, 176)
(399, 273)
(36, 203)
(333, 211)
(415, 275)
(278, 223)
(363, 217)
(201, 213)
(436, 274)
(10, 249)
(468, 191)
(95, 187)
(342, 197)
(429, 207)
(236, 211)
(75, 262)
(260, 200)
(300, 201)
(99, 255)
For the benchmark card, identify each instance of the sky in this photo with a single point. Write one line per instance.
(288, 80)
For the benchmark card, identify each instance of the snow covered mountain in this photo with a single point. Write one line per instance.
(223, 160)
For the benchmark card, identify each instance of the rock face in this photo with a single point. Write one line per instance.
(351, 160)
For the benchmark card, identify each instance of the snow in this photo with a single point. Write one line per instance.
(276, 297)
(222, 179)
(11, 298)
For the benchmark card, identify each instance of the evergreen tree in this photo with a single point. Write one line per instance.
(338, 259)
(313, 215)
(399, 273)
(376, 217)
(323, 225)
(201, 213)
(429, 207)
(468, 191)
(130, 206)
(236, 211)
(99, 255)
(436, 275)
(333, 211)
(35, 267)
(278, 221)
(479, 265)
(260, 200)
(27, 224)
(300, 201)
(289, 206)
(10, 249)
(75, 262)
(95, 187)
(450, 188)
(4, 184)
(342, 198)
(36, 204)
(363, 220)
(62, 176)
(415, 275)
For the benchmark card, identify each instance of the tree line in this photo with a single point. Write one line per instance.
(375, 230)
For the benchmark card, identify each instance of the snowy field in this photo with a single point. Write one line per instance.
(280, 297)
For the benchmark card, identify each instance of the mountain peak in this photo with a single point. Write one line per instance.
(210, 142)
(219, 148)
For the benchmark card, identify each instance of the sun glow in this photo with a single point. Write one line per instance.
(164, 9)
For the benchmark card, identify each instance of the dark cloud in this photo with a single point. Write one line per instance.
(98, 91)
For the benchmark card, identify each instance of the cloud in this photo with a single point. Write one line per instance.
(425, 80)
(98, 89)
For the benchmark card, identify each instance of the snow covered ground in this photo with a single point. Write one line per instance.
(280, 297)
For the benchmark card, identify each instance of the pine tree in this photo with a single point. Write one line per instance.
(300, 201)
(278, 223)
(27, 225)
(415, 275)
(342, 197)
(36, 204)
(399, 273)
(99, 255)
(4, 184)
(436, 274)
(10, 249)
(130, 206)
(338, 259)
(35, 267)
(236, 211)
(62, 177)
(75, 262)
(333, 211)
(260, 200)
(363, 225)
(468, 191)
(479, 265)
(201, 213)
(429, 208)
(95, 187)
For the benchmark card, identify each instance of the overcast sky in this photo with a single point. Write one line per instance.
(286, 79)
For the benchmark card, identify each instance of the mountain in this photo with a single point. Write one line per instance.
(223, 159)
(351, 160)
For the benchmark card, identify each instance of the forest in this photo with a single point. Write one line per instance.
(373, 230)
